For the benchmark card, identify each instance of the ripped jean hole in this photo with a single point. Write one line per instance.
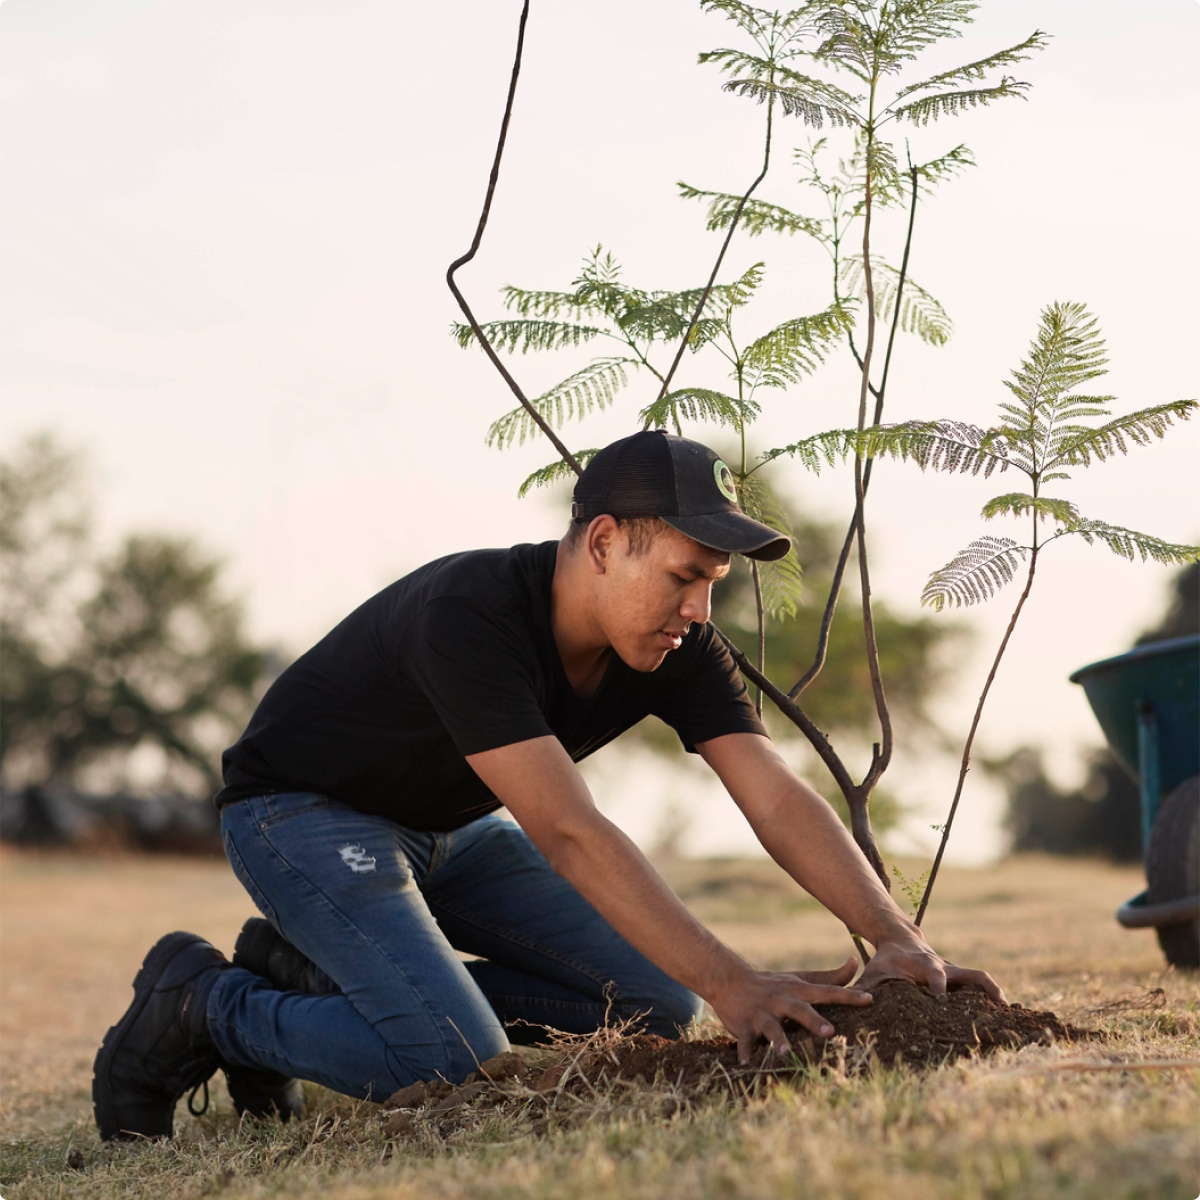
(357, 859)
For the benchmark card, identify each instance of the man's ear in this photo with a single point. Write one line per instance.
(600, 542)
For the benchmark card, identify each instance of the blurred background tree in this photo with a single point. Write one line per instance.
(128, 671)
(917, 651)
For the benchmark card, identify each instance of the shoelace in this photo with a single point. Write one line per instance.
(198, 1112)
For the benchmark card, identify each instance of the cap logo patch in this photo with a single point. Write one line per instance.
(724, 477)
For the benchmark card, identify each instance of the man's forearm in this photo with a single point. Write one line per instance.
(809, 841)
(802, 833)
(624, 887)
(544, 792)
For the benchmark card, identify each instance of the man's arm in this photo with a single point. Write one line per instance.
(804, 835)
(542, 788)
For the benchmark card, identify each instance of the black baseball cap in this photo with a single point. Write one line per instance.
(656, 474)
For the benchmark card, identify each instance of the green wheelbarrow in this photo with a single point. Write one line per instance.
(1148, 704)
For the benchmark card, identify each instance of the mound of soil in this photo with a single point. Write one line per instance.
(905, 1025)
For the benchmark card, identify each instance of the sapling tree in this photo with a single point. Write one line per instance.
(870, 43)
(794, 63)
(1042, 433)
(1047, 430)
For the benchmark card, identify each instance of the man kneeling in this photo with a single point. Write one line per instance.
(359, 812)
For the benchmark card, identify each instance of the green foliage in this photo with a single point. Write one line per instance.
(556, 472)
(794, 67)
(698, 404)
(605, 306)
(794, 349)
(913, 888)
(915, 650)
(975, 573)
(780, 582)
(593, 387)
(1043, 431)
(798, 63)
(920, 313)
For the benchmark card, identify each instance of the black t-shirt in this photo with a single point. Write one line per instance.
(457, 658)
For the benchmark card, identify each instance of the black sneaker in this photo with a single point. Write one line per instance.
(160, 1048)
(269, 954)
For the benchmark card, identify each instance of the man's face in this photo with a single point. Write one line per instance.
(649, 601)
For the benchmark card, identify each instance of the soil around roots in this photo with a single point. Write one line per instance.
(905, 1026)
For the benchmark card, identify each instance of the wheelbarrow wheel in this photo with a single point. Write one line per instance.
(1173, 869)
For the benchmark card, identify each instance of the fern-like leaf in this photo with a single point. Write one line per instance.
(542, 304)
(955, 447)
(974, 72)
(722, 296)
(826, 449)
(757, 217)
(527, 335)
(1082, 446)
(1021, 504)
(796, 102)
(592, 387)
(888, 185)
(782, 585)
(950, 104)
(658, 317)
(1067, 352)
(975, 574)
(697, 404)
(920, 313)
(765, 26)
(946, 166)
(1131, 544)
(782, 581)
(870, 40)
(555, 472)
(797, 347)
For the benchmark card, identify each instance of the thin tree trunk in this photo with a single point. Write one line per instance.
(965, 765)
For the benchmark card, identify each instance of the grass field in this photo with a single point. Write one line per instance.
(1104, 1120)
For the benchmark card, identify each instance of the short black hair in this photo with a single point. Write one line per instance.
(641, 532)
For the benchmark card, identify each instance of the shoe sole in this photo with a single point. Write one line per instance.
(153, 966)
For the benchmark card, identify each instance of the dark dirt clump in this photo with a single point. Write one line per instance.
(906, 1025)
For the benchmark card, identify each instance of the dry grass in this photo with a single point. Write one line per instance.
(1121, 1119)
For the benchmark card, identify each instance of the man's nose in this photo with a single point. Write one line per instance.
(697, 603)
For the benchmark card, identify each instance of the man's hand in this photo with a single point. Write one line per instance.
(753, 1005)
(911, 957)
(803, 834)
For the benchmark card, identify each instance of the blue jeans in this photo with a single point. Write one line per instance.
(382, 911)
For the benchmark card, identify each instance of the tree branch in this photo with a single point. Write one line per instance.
(489, 349)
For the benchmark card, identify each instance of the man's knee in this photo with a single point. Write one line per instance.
(670, 1012)
(452, 1060)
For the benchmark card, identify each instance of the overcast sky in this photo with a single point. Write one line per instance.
(225, 229)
